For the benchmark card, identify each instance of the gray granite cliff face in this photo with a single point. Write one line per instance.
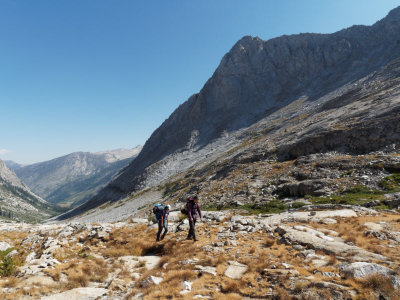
(254, 80)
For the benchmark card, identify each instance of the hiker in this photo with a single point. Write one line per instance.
(193, 209)
(162, 218)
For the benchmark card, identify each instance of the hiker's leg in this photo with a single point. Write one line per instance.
(193, 230)
(190, 234)
(165, 233)
(160, 227)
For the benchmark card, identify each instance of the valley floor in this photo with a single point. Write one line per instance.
(348, 252)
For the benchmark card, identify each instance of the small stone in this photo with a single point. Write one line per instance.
(187, 287)
(286, 266)
(151, 280)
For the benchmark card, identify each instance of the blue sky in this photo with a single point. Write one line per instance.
(98, 75)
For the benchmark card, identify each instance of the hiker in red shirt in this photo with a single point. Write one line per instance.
(193, 209)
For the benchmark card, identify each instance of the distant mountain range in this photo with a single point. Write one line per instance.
(17, 202)
(337, 90)
(74, 178)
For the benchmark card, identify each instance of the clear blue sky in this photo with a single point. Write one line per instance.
(97, 75)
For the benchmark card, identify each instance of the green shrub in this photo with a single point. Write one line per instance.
(390, 183)
(360, 189)
(348, 173)
(7, 266)
(297, 204)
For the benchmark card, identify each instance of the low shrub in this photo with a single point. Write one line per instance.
(378, 282)
(7, 266)
(391, 183)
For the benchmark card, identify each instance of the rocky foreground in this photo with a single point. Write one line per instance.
(320, 252)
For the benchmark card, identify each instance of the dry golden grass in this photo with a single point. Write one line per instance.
(62, 253)
(381, 283)
(170, 287)
(283, 294)
(77, 280)
(230, 296)
(10, 282)
(332, 260)
(34, 292)
(15, 237)
(350, 239)
(79, 272)
(231, 286)
(53, 273)
(255, 250)
(179, 275)
(269, 242)
(214, 261)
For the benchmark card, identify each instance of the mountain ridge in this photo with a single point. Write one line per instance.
(255, 79)
(74, 177)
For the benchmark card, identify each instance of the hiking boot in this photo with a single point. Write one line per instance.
(189, 238)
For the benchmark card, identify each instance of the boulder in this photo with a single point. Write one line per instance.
(217, 216)
(313, 187)
(363, 269)
(318, 241)
(372, 203)
(206, 269)
(235, 270)
(304, 216)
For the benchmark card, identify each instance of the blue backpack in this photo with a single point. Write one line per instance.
(158, 209)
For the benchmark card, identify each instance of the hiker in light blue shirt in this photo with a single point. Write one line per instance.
(163, 223)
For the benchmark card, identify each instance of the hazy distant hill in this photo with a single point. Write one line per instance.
(74, 178)
(12, 164)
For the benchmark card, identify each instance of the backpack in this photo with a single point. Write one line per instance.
(158, 209)
(184, 210)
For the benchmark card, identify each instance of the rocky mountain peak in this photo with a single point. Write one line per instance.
(8, 175)
(393, 17)
(255, 79)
